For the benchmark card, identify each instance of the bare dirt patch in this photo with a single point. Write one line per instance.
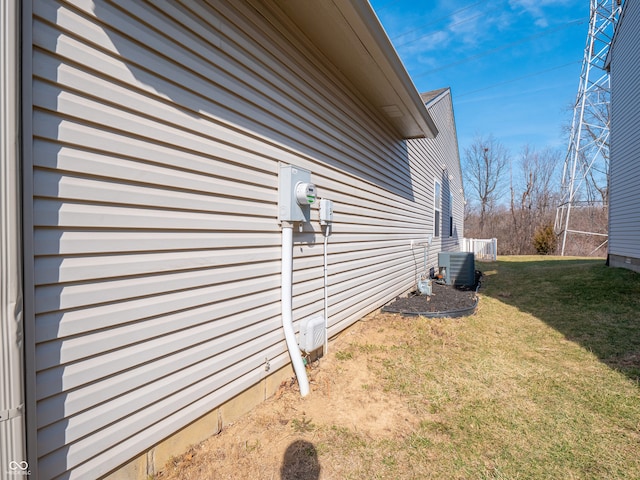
(347, 404)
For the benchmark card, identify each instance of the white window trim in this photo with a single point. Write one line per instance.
(450, 214)
(437, 208)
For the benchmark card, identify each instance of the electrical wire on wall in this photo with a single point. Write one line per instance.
(326, 218)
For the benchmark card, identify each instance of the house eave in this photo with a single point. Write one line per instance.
(350, 36)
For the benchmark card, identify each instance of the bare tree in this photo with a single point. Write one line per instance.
(485, 163)
(533, 196)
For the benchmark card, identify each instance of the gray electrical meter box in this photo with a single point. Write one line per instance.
(296, 194)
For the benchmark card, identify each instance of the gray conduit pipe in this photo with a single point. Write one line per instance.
(286, 302)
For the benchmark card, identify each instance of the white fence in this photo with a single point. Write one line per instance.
(484, 249)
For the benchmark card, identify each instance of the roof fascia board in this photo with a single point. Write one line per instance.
(430, 98)
(350, 36)
(386, 56)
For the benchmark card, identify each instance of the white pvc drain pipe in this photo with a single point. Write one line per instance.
(286, 302)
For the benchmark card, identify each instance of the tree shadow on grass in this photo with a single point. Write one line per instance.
(591, 304)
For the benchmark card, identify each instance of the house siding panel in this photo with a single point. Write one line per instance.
(624, 215)
(443, 166)
(158, 129)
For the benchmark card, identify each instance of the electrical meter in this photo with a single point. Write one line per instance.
(296, 194)
(305, 193)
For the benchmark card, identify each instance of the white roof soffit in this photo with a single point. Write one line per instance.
(350, 35)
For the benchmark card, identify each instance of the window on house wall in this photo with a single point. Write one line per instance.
(451, 214)
(437, 207)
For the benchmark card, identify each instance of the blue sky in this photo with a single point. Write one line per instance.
(513, 65)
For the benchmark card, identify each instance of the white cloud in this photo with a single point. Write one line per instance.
(475, 26)
(538, 8)
(468, 27)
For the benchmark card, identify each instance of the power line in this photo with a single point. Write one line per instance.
(435, 22)
(468, 19)
(533, 74)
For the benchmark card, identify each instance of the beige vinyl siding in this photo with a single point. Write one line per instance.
(429, 156)
(445, 151)
(624, 214)
(158, 128)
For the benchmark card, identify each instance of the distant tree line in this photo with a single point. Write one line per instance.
(514, 198)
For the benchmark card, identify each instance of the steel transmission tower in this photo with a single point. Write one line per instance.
(585, 176)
